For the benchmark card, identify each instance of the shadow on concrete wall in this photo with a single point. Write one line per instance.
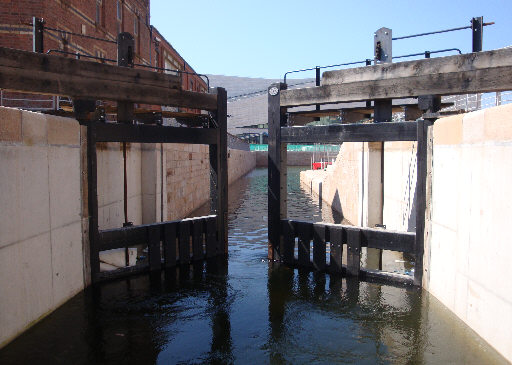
(409, 213)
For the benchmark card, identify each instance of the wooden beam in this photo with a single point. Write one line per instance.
(353, 250)
(423, 67)
(388, 240)
(55, 75)
(276, 170)
(476, 72)
(373, 132)
(119, 132)
(424, 160)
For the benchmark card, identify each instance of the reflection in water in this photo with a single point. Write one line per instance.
(251, 311)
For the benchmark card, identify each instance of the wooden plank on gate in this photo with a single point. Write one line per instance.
(170, 244)
(304, 230)
(197, 239)
(319, 251)
(288, 241)
(388, 240)
(155, 260)
(120, 132)
(184, 242)
(374, 132)
(353, 251)
(336, 239)
(211, 236)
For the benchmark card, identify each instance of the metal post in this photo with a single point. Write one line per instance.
(37, 35)
(498, 98)
(383, 54)
(368, 102)
(125, 52)
(477, 28)
(276, 170)
(317, 83)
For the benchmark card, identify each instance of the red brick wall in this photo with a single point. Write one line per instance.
(80, 16)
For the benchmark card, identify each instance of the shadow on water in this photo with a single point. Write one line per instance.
(250, 311)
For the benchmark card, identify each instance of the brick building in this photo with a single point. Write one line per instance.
(102, 19)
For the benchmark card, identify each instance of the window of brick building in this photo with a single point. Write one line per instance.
(135, 25)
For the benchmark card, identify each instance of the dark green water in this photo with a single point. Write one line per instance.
(250, 311)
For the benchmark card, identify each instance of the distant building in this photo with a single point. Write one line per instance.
(102, 19)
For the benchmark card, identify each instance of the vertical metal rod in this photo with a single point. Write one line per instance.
(477, 30)
(37, 35)
(125, 202)
(498, 98)
(161, 182)
(317, 83)
(92, 176)
(368, 102)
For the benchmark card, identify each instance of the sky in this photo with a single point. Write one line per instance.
(266, 38)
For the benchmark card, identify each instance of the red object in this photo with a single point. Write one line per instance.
(320, 165)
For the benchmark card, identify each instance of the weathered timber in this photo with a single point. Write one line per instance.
(353, 251)
(184, 241)
(288, 241)
(136, 235)
(304, 232)
(352, 114)
(197, 239)
(388, 240)
(221, 117)
(154, 255)
(211, 237)
(424, 67)
(319, 246)
(477, 72)
(169, 244)
(119, 132)
(122, 237)
(218, 152)
(382, 277)
(424, 147)
(276, 194)
(336, 234)
(376, 132)
(121, 272)
(92, 190)
(55, 75)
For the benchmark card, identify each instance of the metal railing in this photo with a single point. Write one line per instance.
(300, 148)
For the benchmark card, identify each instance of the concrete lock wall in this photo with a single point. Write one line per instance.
(44, 258)
(470, 248)
(41, 249)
